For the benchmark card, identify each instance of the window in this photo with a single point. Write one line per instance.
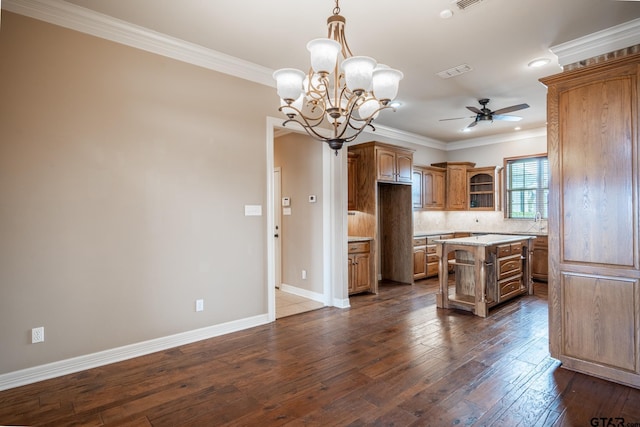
(527, 187)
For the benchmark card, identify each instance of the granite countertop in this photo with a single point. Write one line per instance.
(433, 233)
(359, 239)
(486, 239)
(508, 233)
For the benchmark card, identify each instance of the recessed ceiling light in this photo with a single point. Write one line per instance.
(517, 128)
(465, 130)
(539, 62)
(395, 104)
(446, 14)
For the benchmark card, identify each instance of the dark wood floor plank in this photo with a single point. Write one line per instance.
(391, 359)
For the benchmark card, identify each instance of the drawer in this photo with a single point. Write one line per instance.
(431, 249)
(356, 247)
(504, 250)
(419, 241)
(509, 286)
(516, 248)
(432, 259)
(509, 267)
(447, 236)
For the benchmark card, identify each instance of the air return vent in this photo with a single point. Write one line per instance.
(463, 4)
(455, 71)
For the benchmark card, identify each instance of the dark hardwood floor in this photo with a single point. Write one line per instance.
(391, 359)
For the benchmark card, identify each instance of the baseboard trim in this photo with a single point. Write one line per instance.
(94, 360)
(303, 293)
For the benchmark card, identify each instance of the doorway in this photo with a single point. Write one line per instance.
(329, 247)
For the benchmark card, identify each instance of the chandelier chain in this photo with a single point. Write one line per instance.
(336, 10)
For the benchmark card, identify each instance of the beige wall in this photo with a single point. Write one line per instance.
(300, 159)
(123, 180)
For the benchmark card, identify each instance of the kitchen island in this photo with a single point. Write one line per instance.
(489, 270)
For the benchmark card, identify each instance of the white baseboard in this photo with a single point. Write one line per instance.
(81, 363)
(303, 293)
(341, 303)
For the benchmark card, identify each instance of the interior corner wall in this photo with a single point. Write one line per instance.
(300, 159)
(123, 181)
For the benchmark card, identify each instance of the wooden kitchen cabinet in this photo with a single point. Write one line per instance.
(456, 184)
(360, 268)
(483, 185)
(352, 181)
(419, 258)
(594, 230)
(428, 188)
(540, 259)
(394, 164)
(385, 209)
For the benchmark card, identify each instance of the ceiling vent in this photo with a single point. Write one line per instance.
(455, 71)
(463, 4)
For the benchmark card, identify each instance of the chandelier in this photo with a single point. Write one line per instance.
(335, 101)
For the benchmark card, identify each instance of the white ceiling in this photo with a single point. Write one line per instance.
(497, 38)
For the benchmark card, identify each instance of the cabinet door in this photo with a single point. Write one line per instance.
(540, 260)
(417, 190)
(352, 182)
(456, 187)
(362, 279)
(433, 189)
(404, 167)
(351, 273)
(594, 271)
(386, 165)
(419, 262)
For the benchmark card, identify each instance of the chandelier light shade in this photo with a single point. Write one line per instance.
(341, 94)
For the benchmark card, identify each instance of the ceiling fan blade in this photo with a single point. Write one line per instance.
(473, 123)
(474, 109)
(455, 118)
(506, 118)
(510, 109)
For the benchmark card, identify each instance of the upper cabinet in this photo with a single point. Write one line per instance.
(483, 185)
(428, 189)
(456, 184)
(394, 164)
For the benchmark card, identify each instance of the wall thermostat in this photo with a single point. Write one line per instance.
(286, 201)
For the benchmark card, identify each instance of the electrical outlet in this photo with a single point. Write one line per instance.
(304, 274)
(199, 305)
(37, 335)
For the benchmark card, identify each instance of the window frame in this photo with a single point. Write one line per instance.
(507, 161)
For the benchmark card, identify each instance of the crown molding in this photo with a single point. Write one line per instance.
(86, 21)
(497, 139)
(598, 43)
(406, 137)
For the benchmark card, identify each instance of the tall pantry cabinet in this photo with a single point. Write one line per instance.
(594, 229)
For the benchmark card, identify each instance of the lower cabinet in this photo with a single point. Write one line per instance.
(419, 258)
(540, 259)
(361, 276)
(425, 260)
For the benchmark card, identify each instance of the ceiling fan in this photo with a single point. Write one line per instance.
(484, 113)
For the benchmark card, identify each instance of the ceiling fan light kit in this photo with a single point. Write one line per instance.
(335, 101)
(485, 114)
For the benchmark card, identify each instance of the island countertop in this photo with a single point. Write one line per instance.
(485, 239)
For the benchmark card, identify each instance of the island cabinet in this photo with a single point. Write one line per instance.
(489, 270)
(594, 229)
(360, 267)
(425, 260)
(456, 184)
